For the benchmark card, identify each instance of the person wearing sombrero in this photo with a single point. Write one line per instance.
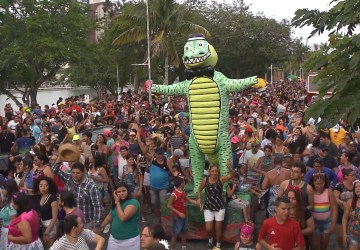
(86, 193)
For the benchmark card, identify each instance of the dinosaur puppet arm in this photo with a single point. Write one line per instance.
(237, 85)
(174, 89)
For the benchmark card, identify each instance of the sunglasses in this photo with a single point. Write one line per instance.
(318, 175)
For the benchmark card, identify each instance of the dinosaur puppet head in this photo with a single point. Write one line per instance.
(198, 53)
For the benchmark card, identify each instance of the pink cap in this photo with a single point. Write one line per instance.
(107, 132)
(247, 230)
(234, 139)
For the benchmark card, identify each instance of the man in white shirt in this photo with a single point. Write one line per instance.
(12, 124)
(251, 158)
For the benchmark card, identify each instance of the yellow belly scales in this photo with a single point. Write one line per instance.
(204, 99)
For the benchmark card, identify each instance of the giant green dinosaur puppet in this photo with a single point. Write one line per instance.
(207, 92)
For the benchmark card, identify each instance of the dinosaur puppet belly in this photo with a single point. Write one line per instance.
(204, 101)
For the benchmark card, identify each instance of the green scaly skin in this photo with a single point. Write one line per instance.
(208, 109)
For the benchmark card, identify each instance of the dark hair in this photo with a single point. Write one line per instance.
(11, 188)
(68, 199)
(67, 225)
(88, 134)
(28, 161)
(324, 135)
(124, 148)
(17, 158)
(104, 138)
(54, 146)
(124, 185)
(156, 231)
(280, 136)
(268, 147)
(94, 147)
(355, 197)
(270, 133)
(42, 157)
(346, 171)
(211, 166)
(131, 156)
(78, 165)
(22, 201)
(99, 160)
(299, 165)
(178, 181)
(281, 199)
(50, 182)
(300, 215)
(347, 155)
(278, 160)
(319, 160)
(163, 119)
(319, 175)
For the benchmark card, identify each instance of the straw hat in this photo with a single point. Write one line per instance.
(69, 152)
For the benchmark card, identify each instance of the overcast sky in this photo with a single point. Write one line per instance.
(285, 9)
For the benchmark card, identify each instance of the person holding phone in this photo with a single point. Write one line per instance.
(124, 217)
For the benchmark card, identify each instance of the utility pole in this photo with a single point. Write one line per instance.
(148, 48)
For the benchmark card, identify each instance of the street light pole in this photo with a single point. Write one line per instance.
(148, 48)
(271, 72)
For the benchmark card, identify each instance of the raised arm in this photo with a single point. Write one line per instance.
(237, 85)
(64, 177)
(174, 89)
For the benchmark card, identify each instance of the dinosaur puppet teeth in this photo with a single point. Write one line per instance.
(197, 59)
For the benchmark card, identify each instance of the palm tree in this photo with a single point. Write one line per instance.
(167, 20)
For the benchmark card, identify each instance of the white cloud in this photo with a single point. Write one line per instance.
(285, 9)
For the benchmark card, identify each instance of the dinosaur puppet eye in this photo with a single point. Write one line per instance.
(200, 44)
(186, 48)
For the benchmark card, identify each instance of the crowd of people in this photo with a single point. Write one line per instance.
(306, 178)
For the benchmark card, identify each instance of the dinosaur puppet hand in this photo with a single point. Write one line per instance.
(261, 83)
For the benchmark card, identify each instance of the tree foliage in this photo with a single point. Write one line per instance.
(338, 63)
(246, 43)
(37, 38)
(167, 19)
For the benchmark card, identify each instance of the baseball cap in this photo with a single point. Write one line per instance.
(323, 147)
(159, 151)
(234, 139)
(247, 230)
(37, 121)
(76, 138)
(107, 132)
(178, 152)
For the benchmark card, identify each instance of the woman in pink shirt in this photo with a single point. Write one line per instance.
(23, 230)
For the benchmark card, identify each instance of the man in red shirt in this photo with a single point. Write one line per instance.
(280, 232)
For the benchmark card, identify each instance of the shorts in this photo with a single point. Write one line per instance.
(322, 226)
(157, 196)
(237, 203)
(179, 225)
(52, 233)
(353, 240)
(146, 179)
(211, 215)
(244, 187)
